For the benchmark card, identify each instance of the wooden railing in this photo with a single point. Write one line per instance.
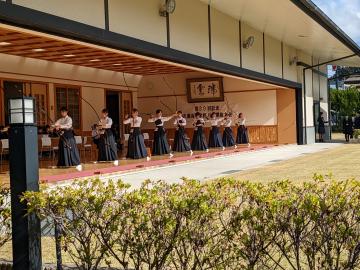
(263, 134)
(257, 134)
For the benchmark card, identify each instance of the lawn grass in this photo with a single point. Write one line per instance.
(48, 251)
(342, 163)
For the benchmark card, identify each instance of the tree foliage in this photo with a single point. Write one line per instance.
(223, 224)
(345, 102)
(5, 216)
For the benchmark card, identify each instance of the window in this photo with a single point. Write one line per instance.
(68, 96)
(39, 91)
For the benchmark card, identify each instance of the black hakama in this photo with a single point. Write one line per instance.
(136, 145)
(242, 135)
(215, 138)
(348, 127)
(321, 129)
(107, 146)
(181, 141)
(321, 126)
(228, 137)
(199, 141)
(68, 151)
(160, 145)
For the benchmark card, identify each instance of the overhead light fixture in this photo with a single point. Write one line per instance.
(38, 50)
(248, 42)
(4, 43)
(69, 55)
(167, 8)
(94, 60)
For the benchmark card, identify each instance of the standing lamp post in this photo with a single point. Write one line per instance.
(24, 176)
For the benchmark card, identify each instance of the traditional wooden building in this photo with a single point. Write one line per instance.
(266, 59)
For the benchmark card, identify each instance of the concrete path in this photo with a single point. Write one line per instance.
(222, 166)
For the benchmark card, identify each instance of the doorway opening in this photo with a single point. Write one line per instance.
(113, 104)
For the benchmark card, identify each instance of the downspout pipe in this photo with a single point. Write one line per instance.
(304, 86)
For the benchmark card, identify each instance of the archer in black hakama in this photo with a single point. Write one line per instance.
(106, 144)
(160, 144)
(215, 139)
(199, 141)
(181, 140)
(68, 153)
(136, 145)
(242, 136)
(228, 136)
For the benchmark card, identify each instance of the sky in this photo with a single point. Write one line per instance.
(345, 13)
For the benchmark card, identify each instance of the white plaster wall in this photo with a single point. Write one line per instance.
(258, 105)
(253, 57)
(189, 28)
(225, 40)
(96, 97)
(316, 86)
(290, 70)
(309, 88)
(41, 70)
(273, 65)
(85, 11)
(92, 82)
(139, 19)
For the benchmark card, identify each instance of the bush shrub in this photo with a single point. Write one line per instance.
(223, 224)
(5, 216)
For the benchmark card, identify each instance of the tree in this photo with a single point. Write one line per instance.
(345, 102)
(5, 216)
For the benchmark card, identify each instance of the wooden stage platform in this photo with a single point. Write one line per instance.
(51, 175)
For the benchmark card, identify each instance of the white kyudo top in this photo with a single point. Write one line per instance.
(215, 121)
(241, 121)
(105, 122)
(162, 119)
(178, 120)
(134, 122)
(64, 122)
(227, 122)
(202, 122)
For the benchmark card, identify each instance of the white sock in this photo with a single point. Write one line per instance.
(79, 167)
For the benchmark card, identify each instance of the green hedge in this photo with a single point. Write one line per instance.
(224, 224)
(5, 216)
